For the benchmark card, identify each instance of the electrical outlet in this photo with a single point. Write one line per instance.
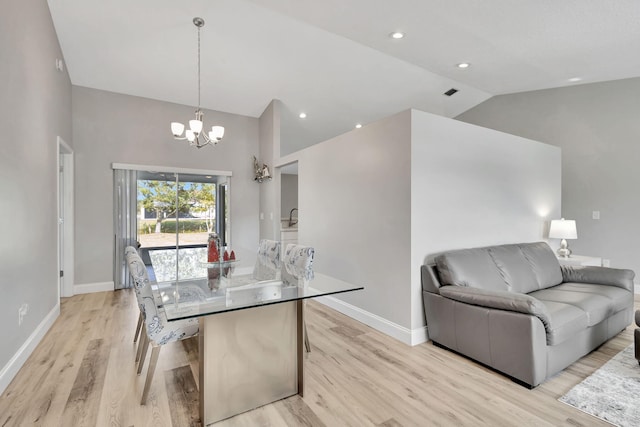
(261, 215)
(595, 215)
(606, 263)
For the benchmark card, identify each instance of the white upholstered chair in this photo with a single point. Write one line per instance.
(156, 329)
(268, 260)
(297, 269)
(127, 251)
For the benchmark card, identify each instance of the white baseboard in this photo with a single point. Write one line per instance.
(10, 370)
(87, 288)
(405, 335)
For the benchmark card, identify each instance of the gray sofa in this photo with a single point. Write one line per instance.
(516, 310)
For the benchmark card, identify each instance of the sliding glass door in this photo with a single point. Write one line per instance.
(173, 213)
(180, 209)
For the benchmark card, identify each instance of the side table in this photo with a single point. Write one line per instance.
(580, 260)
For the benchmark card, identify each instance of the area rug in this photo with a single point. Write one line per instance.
(612, 393)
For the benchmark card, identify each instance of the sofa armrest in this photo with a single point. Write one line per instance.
(599, 276)
(501, 300)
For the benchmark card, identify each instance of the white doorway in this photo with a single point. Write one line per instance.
(65, 219)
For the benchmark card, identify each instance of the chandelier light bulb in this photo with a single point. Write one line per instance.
(190, 135)
(177, 128)
(196, 126)
(217, 132)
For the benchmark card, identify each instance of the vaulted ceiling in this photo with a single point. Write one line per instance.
(334, 59)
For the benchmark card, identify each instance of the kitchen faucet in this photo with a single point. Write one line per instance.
(291, 221)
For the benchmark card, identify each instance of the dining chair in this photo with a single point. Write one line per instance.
(189, 260)
(268, 260)
(297, 269)
(156, 329)
(127, 251)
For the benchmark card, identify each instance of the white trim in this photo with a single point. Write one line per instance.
(636, 288)
(88, 288)
(407, 336)
(65, 284)
(10, 370)
(169, 169)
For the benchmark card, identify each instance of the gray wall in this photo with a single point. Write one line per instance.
(288, 194)
(270, 190)
(471, 187)
(110, 127)
(598, 128)
(354, 203)
(35, 108)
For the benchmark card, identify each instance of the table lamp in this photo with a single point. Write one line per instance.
(563, 229)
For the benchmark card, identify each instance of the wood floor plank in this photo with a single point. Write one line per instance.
(84, 399)
(295, 411)
(183, 392)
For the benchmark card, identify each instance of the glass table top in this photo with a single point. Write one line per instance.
(194, 297)
(217, 289)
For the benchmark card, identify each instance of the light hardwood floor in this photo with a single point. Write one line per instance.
(82, 374)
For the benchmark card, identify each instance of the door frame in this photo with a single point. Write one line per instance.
(65, 159)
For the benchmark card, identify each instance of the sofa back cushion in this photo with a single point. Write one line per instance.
(514, 267)
(470, 267)
(544, 264)
(521, 268)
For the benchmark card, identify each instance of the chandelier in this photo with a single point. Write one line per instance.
(194, 134)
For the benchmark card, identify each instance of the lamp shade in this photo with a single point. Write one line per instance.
(563, 229)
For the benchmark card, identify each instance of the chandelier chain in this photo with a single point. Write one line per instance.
(198, 68)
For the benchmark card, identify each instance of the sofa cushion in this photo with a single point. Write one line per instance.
(597, 307)
(565, 321)
(522, 268)
(514, 268)
(470, 267)
(543, 262)
(619, 298)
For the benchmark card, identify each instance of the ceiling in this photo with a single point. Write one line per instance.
(334, 59)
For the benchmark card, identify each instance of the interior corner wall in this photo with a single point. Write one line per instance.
(110, 127)
(472, 187)
(354, 202)
(598, 129)
(35, 108)
(269, 150)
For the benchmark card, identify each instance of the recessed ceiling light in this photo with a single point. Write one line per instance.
(463, 65)
(302, 115)
(358, 126)
(396, 35)
(575, 79)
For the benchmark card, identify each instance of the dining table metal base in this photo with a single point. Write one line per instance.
(249, 358)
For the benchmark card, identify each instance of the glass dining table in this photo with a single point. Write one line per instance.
(251, 337)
